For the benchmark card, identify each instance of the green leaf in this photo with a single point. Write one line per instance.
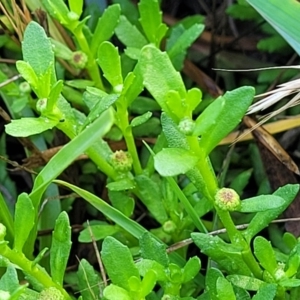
(129, 35)
(27, 72)
(54, 94)
(224, 289)
(211, 279)
(57, 9)
(242, 12)
(151, 21)
(226, 255)
(76, 6)
(60, 248)
(153, 250)
(114, 292)
(150, 195)
(174, 161)
(110, 63)
(222, 116)
(261, 203)
(181, 40)
(24, 220)
(105, 26)
(283, 16)
(265, 254)
(273, 44)
(266, 292)
(191, 269)
(262, 219)
(141, 119)
(159, 75)
(6, 219)
(29, 126)
(121, 185)
(246, 282)
(144, 265)
(122, 201)
(88, 280)
(37, 50)
(118, 262)
(97, 233)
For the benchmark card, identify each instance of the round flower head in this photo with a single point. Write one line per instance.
(227, 199)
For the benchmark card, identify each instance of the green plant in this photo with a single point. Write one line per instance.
(113, 89)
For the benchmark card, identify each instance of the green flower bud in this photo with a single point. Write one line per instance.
(186, 126)
(24, 87)
(121, 161)
(227, 199)
(51, 293)
(169, 227)
(79, 59)
(41, 105)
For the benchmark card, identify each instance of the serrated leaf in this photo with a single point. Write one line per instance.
(174, 161)
(29, 126)
(118, 262)
(60, 248)
(105, 26)
(222, 116)
(141, 119)
(129, 35)
(23, 221)
(110, 63)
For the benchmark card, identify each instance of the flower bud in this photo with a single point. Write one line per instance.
(169, 227)
(186, 126)
(72, 16)
(51, 293)
(79, 59)
(41, 105)
(227, 199)
(24, 88)
(121, 161)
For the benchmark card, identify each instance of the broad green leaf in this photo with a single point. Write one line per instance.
(266, 292)
(105, 26)
(121, 185)
(226, 255)
(211, 279)
(222, 116)
(129, 10)
(97, 232)
(224, 289)
(153, 250)
(29, 126)
(144, 265)
(246, 282)
(159, 75)
(114, 292)
(174, 161)
(60, 248)
(193, 98)
(37, 50)
(181, 41)
(265, 254)
(191, 269)
(76, 6)
(129, 35)
(122, 201)
(148, 283)
(27, 72)
(289, 240)
(118, 262)
(88, 280)
(110, 63)
(290, 282)
(23, 221)
(140, 119)
(150, 195)
(261, 203)
(151, 21)
(9, 280)
(283, 16)
(242, 12)
(262, 219)
(57, 9)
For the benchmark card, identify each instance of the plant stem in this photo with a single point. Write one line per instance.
(31, 268)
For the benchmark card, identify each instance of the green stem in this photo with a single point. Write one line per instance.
(122, 117)
(251, 262)
(31, 268)
(91, 66)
